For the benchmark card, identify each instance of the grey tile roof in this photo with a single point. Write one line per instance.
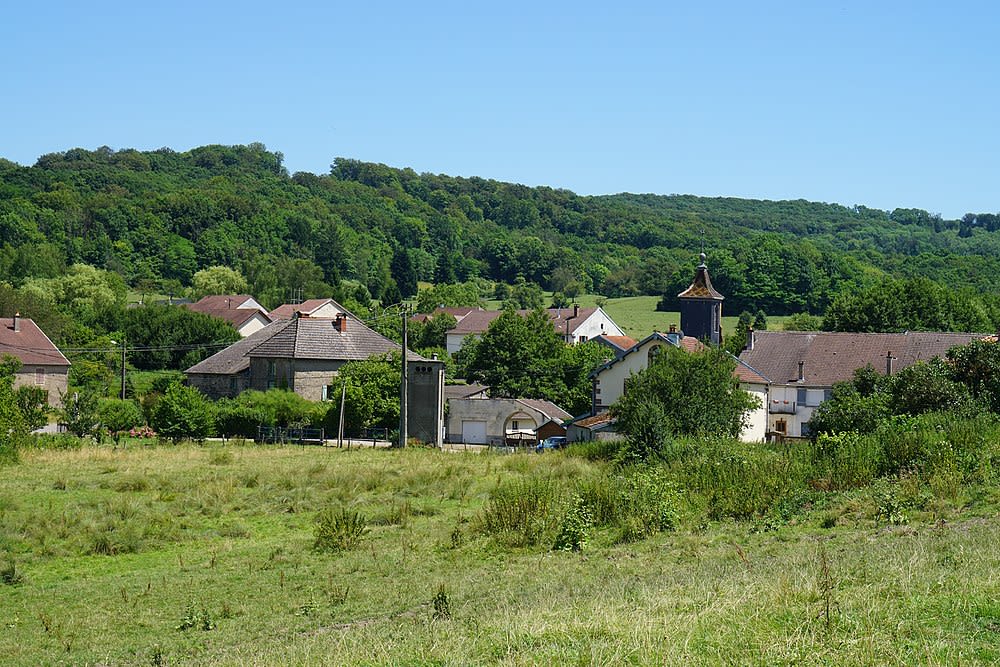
(833, 357)
(301, 338)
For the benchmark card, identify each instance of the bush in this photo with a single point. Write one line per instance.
(520, 512)
(575, 527)
(338, 530)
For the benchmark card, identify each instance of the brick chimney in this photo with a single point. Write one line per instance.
(340, 324)
(802, 372)
(17, 322)
(576, 310)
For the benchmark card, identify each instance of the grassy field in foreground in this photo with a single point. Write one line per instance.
(204, 555)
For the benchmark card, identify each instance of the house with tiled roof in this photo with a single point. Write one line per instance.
(803, 366)
(574, 325)
(42, 364)
(479, 419)
(303, 355)
(618, 345)
(323, 308)
(701, 313)
(458, 312)
(240, 310)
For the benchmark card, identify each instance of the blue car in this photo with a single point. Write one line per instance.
(555, 442)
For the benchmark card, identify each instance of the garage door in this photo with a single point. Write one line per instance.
(474, 432)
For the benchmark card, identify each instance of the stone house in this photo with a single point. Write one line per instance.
(303, 354)
(42, 364)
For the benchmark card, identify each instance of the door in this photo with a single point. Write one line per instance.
(474, 432)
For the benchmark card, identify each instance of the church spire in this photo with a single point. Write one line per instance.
(701, 307)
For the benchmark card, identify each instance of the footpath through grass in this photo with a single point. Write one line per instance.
(205, 555)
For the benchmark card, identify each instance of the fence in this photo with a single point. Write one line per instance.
(283, 435)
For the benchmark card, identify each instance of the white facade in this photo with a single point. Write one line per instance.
(596, 324)
(254, 324)
(791, 406)
(611, 380)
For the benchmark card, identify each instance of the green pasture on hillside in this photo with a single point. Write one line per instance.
(188, 555)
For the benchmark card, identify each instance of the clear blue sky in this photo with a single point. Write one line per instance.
(879, 103)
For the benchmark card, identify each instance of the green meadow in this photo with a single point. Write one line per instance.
(734, 554)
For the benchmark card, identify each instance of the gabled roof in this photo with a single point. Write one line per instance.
(225, 301)
(551, 411)
(833, 357)
(701, 286)
(29, 344)
(564, 320)
(686, 343)
(235, 316)
(463, 390)
(620, 343)
(308, 307)
(301, 338)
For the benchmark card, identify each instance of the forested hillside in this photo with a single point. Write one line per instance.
(366, 229)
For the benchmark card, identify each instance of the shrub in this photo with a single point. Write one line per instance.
(520, 512)
(338, 530)
(576, 525)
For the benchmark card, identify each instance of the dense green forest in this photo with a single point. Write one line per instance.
(371, 231)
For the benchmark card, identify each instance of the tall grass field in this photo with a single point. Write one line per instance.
(722, 554)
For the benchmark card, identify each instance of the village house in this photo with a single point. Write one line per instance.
(573, 324)
(804, 365)
(42, 364)
(303, 354)
(701, 323)
(478, 419)
(242, 311)
(316, 308)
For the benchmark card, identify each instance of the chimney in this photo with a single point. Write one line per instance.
(17, 322)
(888, 362)
(340, 324)
(750, 341)
(576, 310)
(434, 356)
(802, 372)
(673, 328)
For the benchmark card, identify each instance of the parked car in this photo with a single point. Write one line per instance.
(554, 442)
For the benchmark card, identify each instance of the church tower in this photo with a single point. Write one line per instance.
(701, 307)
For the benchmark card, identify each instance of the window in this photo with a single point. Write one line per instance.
(515, 425)
(800, 396)
(804, 430)
(781, 426)
(232, 384)
(583, 339)
(827, 393)
(39, 376)
(272, 371)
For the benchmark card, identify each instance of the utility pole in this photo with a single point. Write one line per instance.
(403, 388)
(123, 367)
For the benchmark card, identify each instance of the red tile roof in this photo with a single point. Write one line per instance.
(287, 311)
(29, 344)
(563, 319)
